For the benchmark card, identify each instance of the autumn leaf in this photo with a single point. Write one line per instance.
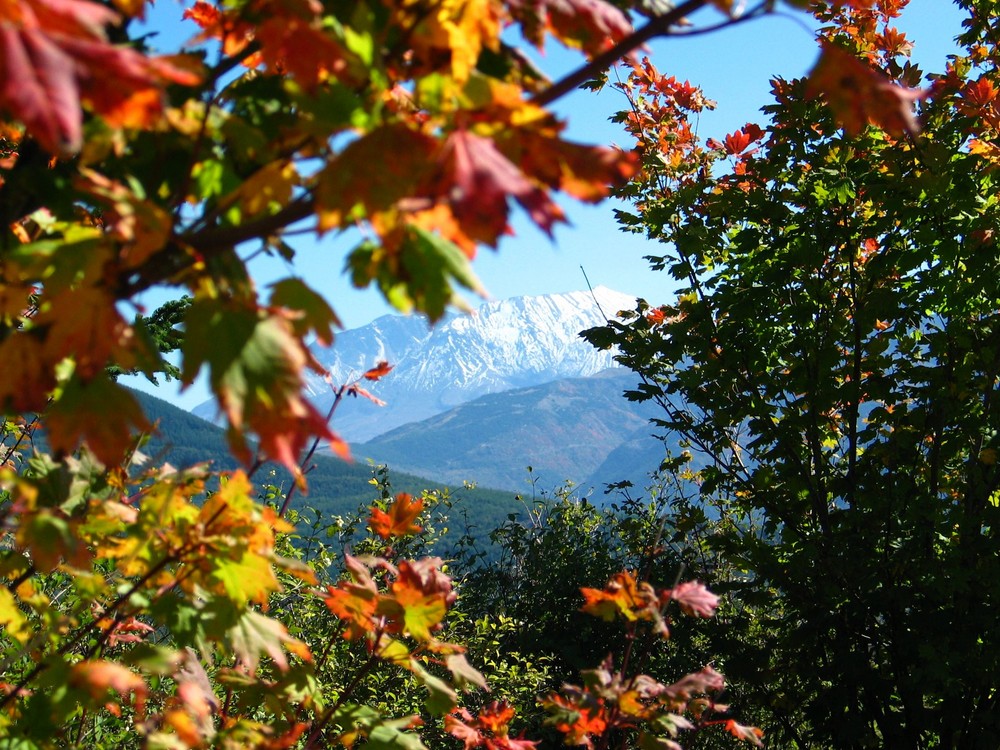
(625, 597)
(378, 372)
(695, 599)
(354, 601)
(361, 181)
(751, 734)
(12, 620)
(295, 44)
(309, 311)
(477, 180)
(255, 635)
(54, 57)
(409, 610)
(255, 370)
(706, 680)
(82, 414)
(399, 518)
(587, 173)
(859, 95)
(270, 186)
(453, 33)
(234, 35)
(100, 677)
(489, 729)
(591, 25)
(577, 714)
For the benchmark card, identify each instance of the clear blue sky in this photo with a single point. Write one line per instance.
(733, 66)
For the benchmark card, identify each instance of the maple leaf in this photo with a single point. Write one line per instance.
(128, 630)
(54, 57)
(343, 195)
(99, 677)
(234, 34)
(399, 520)
(859, 95)
(489, 729)
(379, 371)
(15, 625)
(706, 680)
(309, 311)
(426, 576)
(255, 635)
(354, 601)
(26, 385)
(81, 414)
(419, 598)
(591, 25)
(255, 364)
(457, 30)
(477, 180)
(586, 172)
(577, 714)
(695, 599)
(624, 596)
(751, 734)
(90, 339)
(298, 46)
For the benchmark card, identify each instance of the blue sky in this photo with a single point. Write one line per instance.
(733, 66)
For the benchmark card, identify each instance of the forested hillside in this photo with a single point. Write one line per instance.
(336, 487)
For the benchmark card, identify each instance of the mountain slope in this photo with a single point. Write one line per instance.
(564, 430)
(335, 487)
(505, 344)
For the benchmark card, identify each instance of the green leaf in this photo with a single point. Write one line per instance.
(256, 635)
(313, 313)
(386, 737)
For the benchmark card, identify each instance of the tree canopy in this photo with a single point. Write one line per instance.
(832, 357)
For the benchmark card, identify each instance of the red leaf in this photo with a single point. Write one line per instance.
(379, 371)
(707, 680)
(479, 180)
(54, 55)
(592, 25)
(487, 730)
(734, 143)
(695, 599)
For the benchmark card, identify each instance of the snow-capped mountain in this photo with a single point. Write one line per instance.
(505, 344)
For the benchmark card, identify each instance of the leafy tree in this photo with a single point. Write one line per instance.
(147, 606)
(832, 355)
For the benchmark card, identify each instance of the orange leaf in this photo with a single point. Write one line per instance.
(83, 414)
(100, 677)
(399, 520)
(379, 371)
(859, 95)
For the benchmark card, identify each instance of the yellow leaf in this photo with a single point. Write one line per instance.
(270, 186)
(14, 623)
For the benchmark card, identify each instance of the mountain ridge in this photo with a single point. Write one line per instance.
(506, 344)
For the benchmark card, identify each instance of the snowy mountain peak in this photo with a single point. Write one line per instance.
(504, 344)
